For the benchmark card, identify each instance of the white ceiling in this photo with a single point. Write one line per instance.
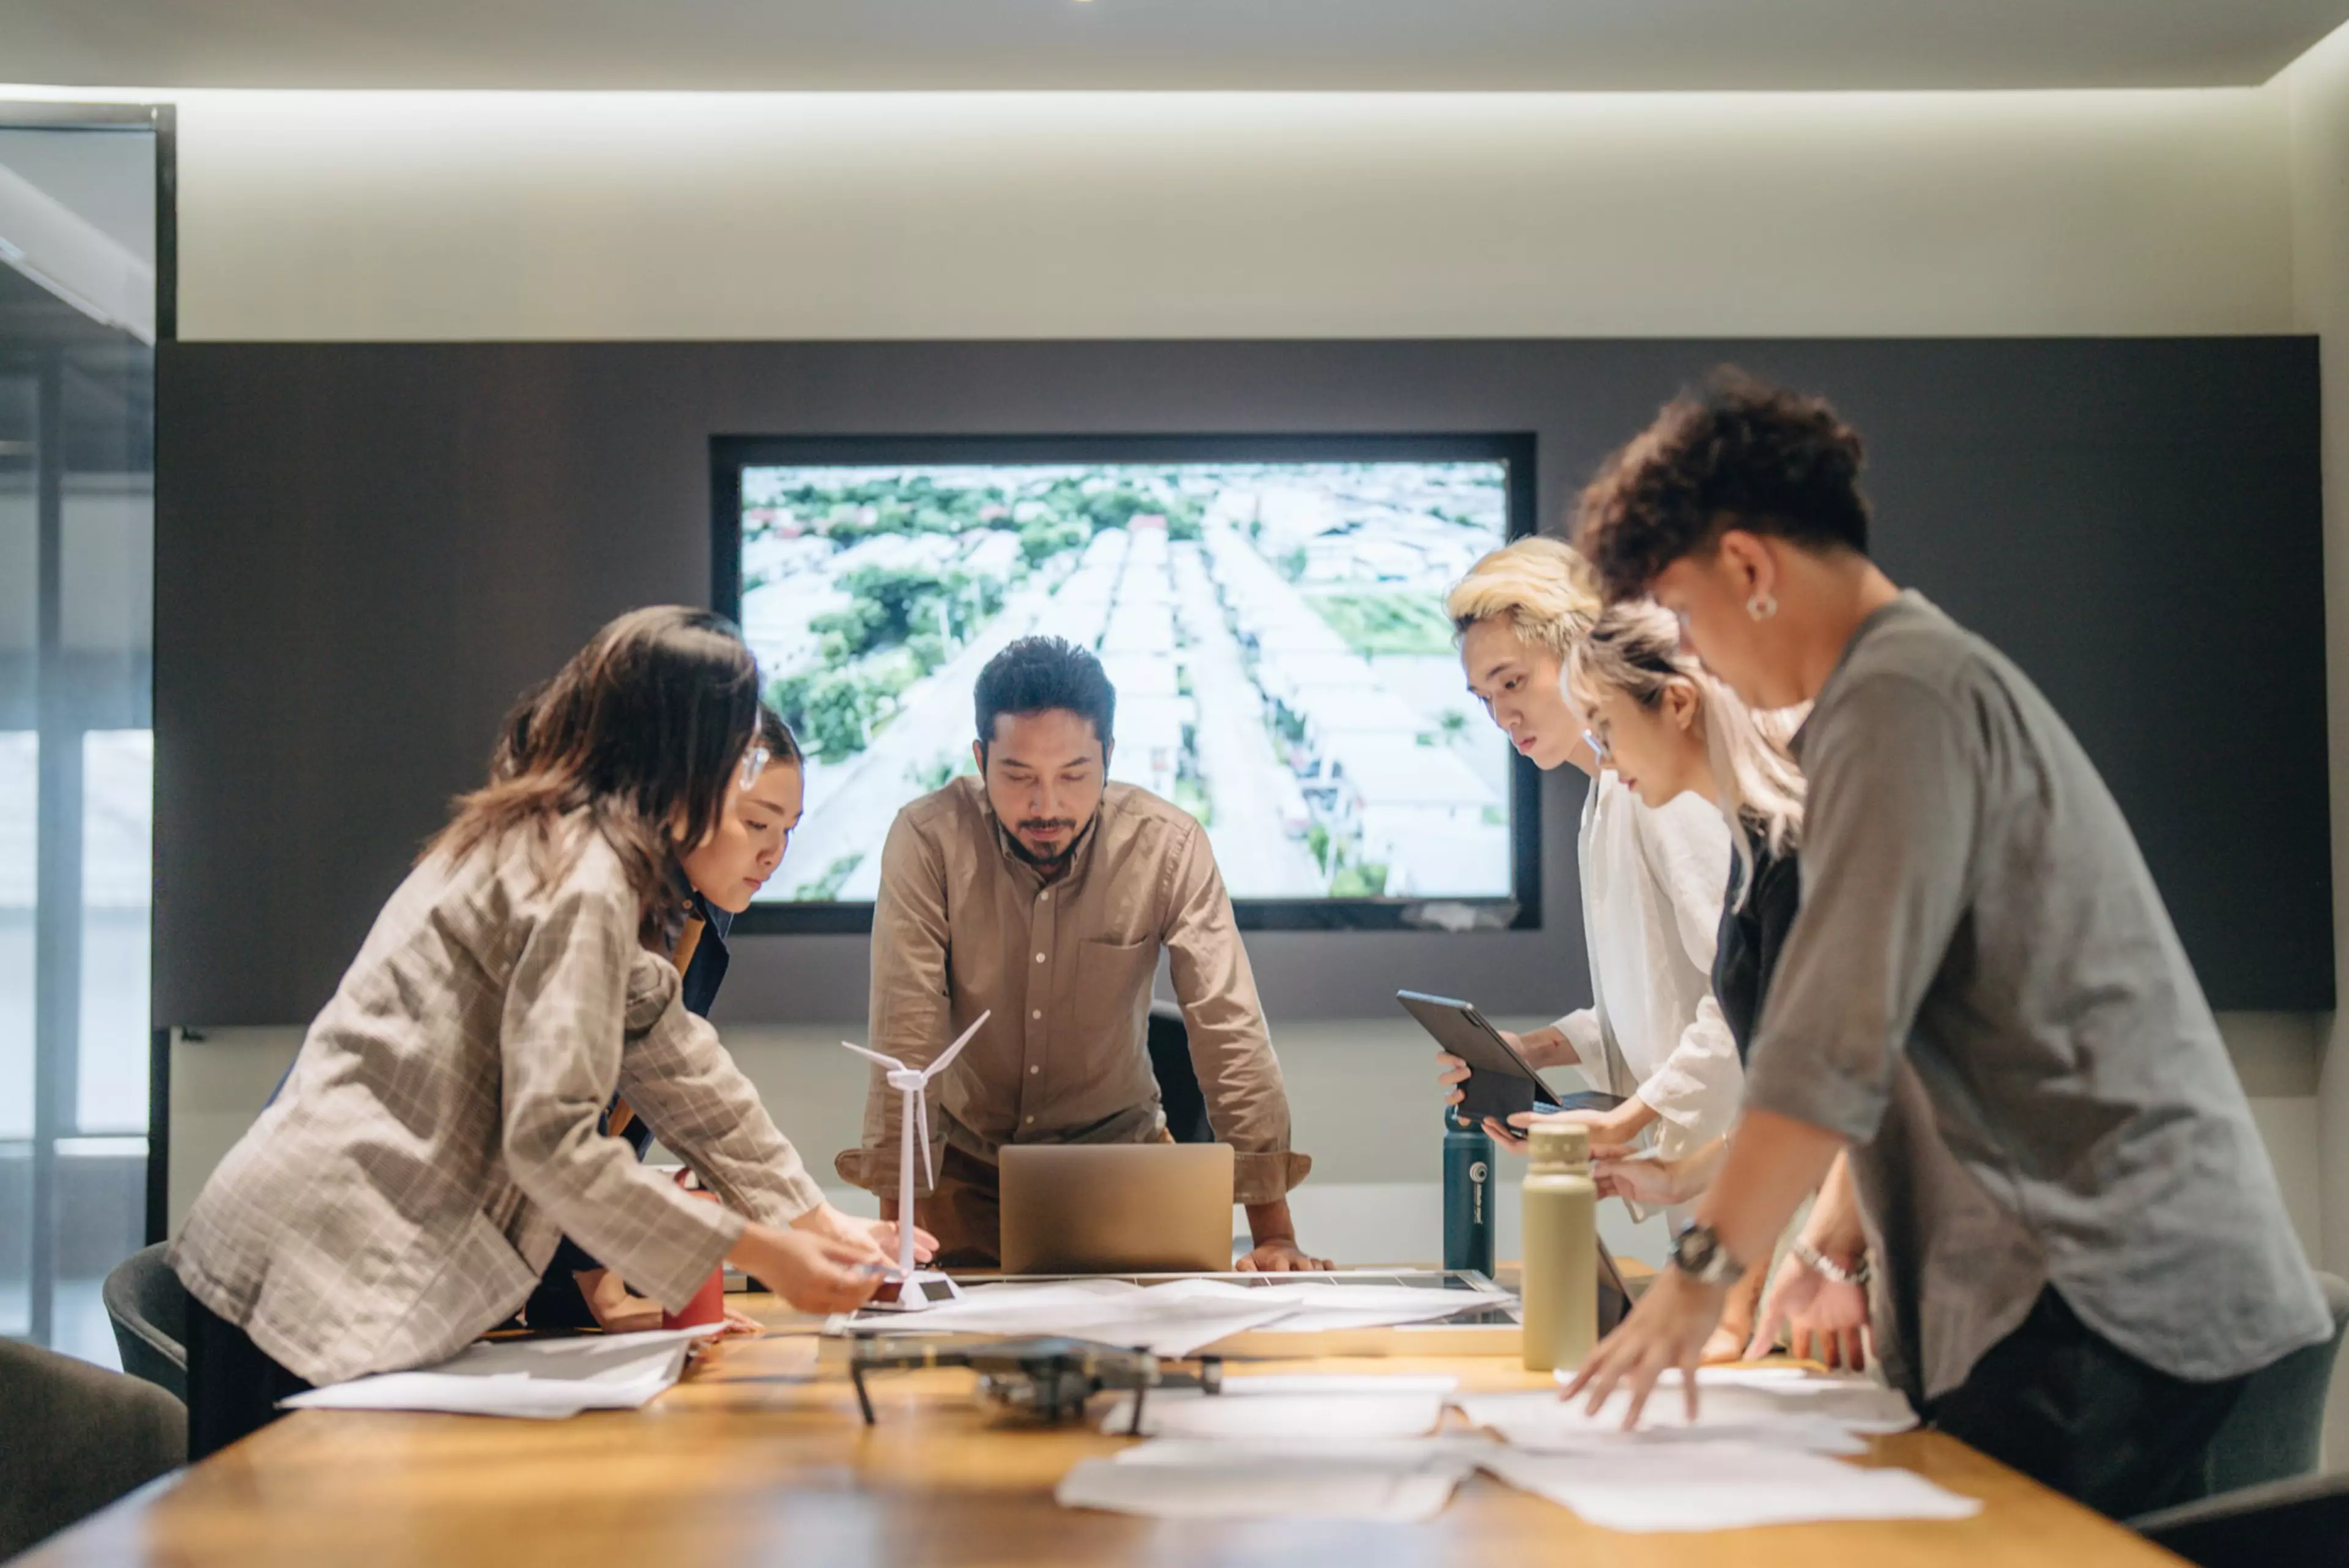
(1188, 45)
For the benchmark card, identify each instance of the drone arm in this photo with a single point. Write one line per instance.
(863, 1400)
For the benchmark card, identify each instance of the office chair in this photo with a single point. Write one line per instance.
(2276, 1430)
(1178, 1078)
(78, 1437)
(149, 1308)
(2302, 1523)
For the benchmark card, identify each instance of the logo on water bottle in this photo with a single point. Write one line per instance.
(1478, 1172)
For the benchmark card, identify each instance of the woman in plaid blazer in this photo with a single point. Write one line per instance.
(439, 1132)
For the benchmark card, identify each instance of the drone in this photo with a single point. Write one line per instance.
(1046, 1378)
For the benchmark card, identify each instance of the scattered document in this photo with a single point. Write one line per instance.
(1693, 1486)
(1179, 1317)
(1696, 1486)
(1781, 1406)
(1541, 1422)
(545, 1379)
(1372, 1447)
(1856, 1399)
(1250, 1386)
(1301, 1409)
(1170, 1320)
(1382, 1482)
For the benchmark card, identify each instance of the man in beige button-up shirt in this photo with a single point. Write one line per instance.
(1043, 895)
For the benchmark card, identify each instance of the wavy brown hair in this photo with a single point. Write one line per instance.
(642, 731)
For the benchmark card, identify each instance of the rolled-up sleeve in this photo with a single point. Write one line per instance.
(1895, 768)
(561, 1040)
(1246, 1103)
(1583, 1030)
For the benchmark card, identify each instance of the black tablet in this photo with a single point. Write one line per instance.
(1500, 1082)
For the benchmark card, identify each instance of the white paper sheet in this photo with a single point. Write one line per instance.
(1395, 1482)
(1698, 1486)
(1301, 1418)
(1542, 1423)
(1859, 1401)
(544, 1379)
(1175, 1318)
(1249, 1386)
(1781, 1406)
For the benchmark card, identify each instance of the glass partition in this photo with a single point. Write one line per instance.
(77, 320)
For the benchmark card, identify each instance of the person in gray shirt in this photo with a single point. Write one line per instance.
(1983, 1020)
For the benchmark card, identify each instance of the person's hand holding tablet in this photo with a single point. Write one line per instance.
(1547, 1047)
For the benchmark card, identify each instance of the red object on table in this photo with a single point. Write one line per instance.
(708, 1303)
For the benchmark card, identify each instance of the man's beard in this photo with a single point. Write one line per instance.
(1036, 824)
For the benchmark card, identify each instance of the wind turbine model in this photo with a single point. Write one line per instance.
(913, 1123)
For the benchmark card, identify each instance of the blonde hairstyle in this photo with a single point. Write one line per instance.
(1546, 593)
(1635, 649)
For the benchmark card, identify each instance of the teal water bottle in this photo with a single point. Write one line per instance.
(1468, 1195)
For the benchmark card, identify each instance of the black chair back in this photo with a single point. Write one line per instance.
(1178, 1079)
(149, 1308)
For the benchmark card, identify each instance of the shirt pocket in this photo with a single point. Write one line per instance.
(1112, 985)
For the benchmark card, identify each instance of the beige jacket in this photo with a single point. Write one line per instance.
(437, 1135)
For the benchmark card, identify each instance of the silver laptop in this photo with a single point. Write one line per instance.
(1116, 1208)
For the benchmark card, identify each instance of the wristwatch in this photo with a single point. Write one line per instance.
(1699, 1254)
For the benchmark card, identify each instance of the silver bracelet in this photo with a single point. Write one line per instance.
(1811, 1258)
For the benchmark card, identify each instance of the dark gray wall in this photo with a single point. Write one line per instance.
(364, 551)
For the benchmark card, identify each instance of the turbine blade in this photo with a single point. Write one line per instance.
(922, 1120)
(890, 1062)
(937, 1066)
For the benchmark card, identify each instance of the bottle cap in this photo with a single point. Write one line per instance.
(1566, 1143)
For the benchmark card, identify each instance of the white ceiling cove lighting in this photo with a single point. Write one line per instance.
(1175, 45)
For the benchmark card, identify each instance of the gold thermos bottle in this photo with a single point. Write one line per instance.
(1561, 1248)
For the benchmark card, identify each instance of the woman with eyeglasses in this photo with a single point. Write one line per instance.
(721, 875)
(1671, 731)
(442, 1128)
(1651, 875)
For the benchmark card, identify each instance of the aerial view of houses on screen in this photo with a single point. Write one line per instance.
(1275, 631)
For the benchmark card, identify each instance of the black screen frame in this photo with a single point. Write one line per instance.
(1516, 450)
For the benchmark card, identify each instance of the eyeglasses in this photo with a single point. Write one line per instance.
(1598, 747)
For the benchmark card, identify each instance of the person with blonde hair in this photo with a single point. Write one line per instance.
(1670, 729)
(1651, 875)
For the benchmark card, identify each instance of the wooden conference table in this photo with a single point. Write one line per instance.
(759, 1458)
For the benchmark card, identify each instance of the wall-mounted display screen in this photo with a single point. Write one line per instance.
(1269, 613)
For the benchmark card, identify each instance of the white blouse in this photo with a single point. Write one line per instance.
(1653, 882)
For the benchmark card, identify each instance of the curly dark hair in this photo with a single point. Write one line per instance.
(1032, 674)
(1733, 452)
